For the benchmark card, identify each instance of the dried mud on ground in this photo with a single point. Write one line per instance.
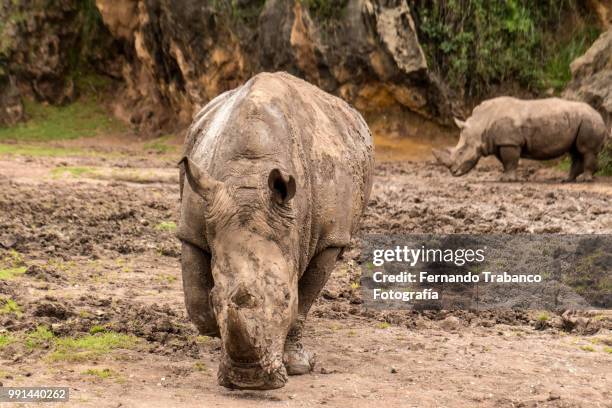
(89, 248)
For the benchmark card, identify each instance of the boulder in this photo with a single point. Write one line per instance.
(592, 76)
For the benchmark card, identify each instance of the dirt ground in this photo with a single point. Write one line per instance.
(93, 236)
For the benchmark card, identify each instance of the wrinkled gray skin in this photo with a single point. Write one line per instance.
(542, 129)
(278, 173)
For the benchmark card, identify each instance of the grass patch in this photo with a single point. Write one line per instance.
(607, 350)
(160, 145)
(203, 339)
(5, 340)
(82, 118)
(74, 171)
(169, 226)
(543, 317)
(40, 150)
(91, 346)
(103, 374)
(604, 160)
(12, 265)
(383, 325)
(12, 273)
(326, 9)
(8, 305)
(587, 348)
(97, 329)
(199, 366)
(477, 45)
(42, 336)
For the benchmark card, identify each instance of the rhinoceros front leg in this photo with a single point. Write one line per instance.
(197, 284)
(509, 157)
(297, 360)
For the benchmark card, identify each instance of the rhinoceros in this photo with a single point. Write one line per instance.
(278, 174)
(540, 129)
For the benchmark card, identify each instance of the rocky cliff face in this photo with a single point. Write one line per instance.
(171, 57)
(179, 56)
(592, 76)
(41, 44)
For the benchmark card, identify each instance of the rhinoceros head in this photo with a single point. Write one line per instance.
(250, 231)
(463, 157)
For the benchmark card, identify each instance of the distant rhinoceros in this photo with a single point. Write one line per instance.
(278, 174)
(540, 129)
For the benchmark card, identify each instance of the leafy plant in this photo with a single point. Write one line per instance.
(477, 44)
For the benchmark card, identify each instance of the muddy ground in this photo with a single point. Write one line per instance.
(89, 246)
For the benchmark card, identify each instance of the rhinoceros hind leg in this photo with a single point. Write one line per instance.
(590, 166)
(297, 360)
(197, 284)
(509, 157)
(577, 166)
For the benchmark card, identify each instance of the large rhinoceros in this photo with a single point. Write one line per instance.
(278, 174)
(540, 129)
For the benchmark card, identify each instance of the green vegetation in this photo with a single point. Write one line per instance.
(97, 329)
(74, 171)
(383, 325)
(604, 161)
(91, 346)
(160, 145)
(543, 317)
(169, 226)
(199, 366)
(40, 337)
(8, 305)
(5, 340)
(240, 11)
(587, 348)
(606, 349)
(12, 273)
(325, 9)
(83, 118)
(40, 150)
(203, 339)
(103, 374)
(477, 45)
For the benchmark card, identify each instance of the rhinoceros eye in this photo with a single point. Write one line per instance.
(282, 187)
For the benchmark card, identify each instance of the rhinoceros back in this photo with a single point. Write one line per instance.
(278, 121)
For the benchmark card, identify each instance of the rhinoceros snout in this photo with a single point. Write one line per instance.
(251, 376)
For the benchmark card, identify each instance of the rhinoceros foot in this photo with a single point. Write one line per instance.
(508, 177)
(297, 360)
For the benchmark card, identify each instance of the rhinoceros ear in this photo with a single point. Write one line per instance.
(282, 187)
(460, 123)
(197, 178)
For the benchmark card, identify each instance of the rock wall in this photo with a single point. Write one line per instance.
(179, 55)
(172, 57)
(592, 77)
(41, 45)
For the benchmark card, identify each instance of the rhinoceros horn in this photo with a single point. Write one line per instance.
(442, 156)
(197, 178)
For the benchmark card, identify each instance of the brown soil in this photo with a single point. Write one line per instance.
(100, 250)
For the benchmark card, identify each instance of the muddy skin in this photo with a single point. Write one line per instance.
(544, 129)
(278, 173)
